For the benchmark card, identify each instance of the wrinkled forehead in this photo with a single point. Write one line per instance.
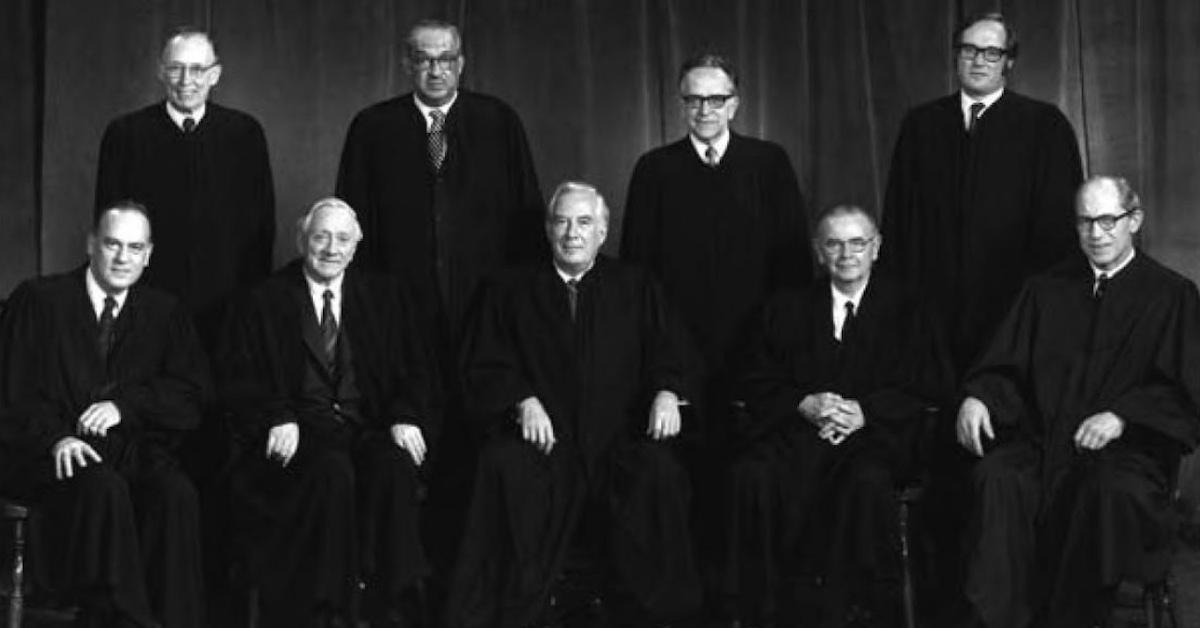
(189, 50)
(706, 81)
(433, 41)
(333, 219)
(985, 33)
(845, 226)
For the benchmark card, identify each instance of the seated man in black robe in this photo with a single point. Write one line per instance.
(836, 377)
(1088, 396)
(102, 376)
(330, 381)
(578, 367)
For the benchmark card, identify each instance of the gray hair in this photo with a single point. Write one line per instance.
(844, 209)
(329, 202)
(573, 187)
(432, 24)
(1127, 198)
(188, 32)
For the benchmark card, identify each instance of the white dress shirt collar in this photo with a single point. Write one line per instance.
(96, 295)
(425, 109)
(178, 116)
(720, 143)
(839, 305)
(565, 276)
(316, 293)
(1112, 272)
(966, 101)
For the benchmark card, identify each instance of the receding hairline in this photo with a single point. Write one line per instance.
(433, 25)
(570, 188)
(844, 209)
(1119, 187)
(185, 34)
(125, 207)
(304, 223)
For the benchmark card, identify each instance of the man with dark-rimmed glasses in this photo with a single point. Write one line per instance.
(1080, 409)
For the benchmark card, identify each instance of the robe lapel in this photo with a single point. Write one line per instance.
(307, 327)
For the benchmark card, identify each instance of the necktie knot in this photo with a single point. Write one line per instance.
(976, 111)
(189, 124)
(711, 157)
(436, 120)
(1100, 286)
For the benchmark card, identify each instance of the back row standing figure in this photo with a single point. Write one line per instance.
(444, 184)
(198, 168)
(979, 199)
(719, 218)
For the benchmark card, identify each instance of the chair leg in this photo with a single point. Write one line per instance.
(910, 620)
(16, 600)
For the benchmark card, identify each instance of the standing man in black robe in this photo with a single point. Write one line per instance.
(102, 376)
(837, 378)
(718, 217)
(444, 182)
(1081, 408)
(578, 367)
(201, 169)
(330, 379)
(980, 190)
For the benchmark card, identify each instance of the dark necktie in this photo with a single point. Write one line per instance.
(573, 296)
(329, 328)
(437, 139)
(848, 324)
(189, 125)
(104, 338)
(1100, 286)
(710, 157)
(976, 110)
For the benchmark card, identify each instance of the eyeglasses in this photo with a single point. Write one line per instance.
(1107, 222)
(714, 101)
(853, 245)
(175, 71)
(425, 63)
(991, 54)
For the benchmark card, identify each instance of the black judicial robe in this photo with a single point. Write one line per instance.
(596, 378)
(131, 522)
(798, 503)
(442, 231)
(210, 196)
(968, 218)
(720, 239)
(347, 504)
(1059, 357)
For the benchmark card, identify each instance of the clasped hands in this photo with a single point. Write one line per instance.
(974, 421)
(537, 429)
(284, 439)
(834, 416)
(71, 452)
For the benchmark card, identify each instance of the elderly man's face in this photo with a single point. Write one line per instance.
(977, 76)
(847, 246)
(119, 250)
(188, 71)
(435, 63)
(1106, 249)
(576, 230)
(329, 243)
(700, 89)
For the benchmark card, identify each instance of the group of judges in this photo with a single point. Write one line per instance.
(451, 400)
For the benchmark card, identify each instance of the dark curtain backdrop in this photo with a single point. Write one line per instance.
(595, 84)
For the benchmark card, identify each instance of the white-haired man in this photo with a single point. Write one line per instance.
(577, 366)
(329, 379)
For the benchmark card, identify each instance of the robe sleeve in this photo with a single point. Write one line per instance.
(173, 397)
(526, 242)
(35, 417)
(1057, 175)
(999, 377)
(918, 378)
(790, 262)
(672, 361)
(354, 187)
(769, 385)
(1168, 402)
(897, 207)
(641, 219)
(262, 202)
(111, 166)
(493, 376)
(412, 372)
(253, 384)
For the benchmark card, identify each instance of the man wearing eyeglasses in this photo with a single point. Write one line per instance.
(203, 172)
(980, 187)
(1081, 407)
(719, 218)
(836, 377)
